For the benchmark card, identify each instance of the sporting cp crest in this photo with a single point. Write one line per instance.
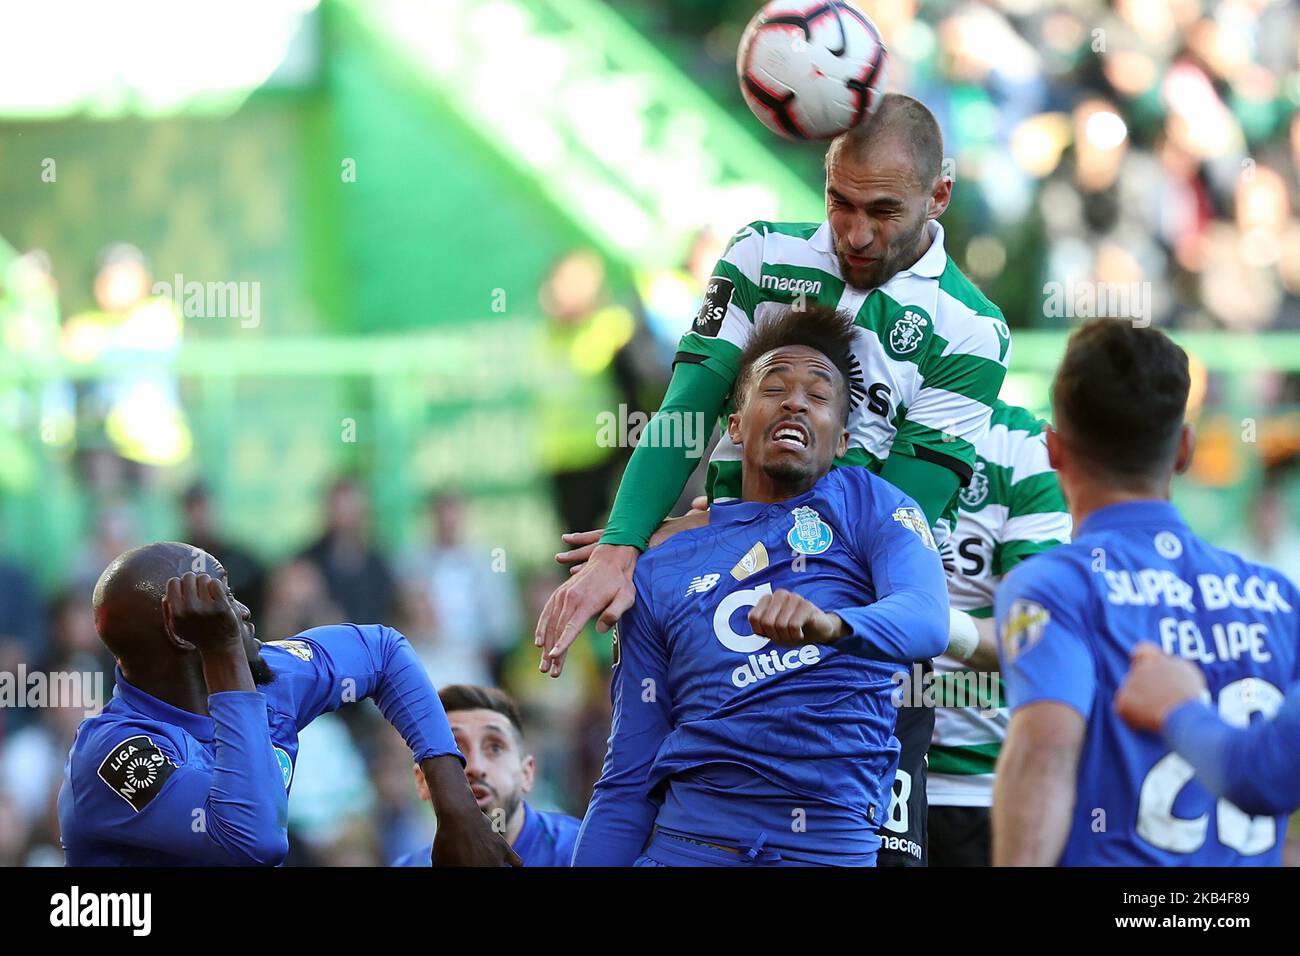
(810, 534)
(974, 495)
(908, 332)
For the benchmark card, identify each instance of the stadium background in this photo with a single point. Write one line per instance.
(465, 229)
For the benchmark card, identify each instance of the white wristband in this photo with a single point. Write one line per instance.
(963, 638)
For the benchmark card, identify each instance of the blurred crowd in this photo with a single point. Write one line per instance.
(1115, 141)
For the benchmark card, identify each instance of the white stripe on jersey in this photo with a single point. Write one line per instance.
(1034, 527)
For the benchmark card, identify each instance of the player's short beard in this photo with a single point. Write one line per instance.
(261, 671)
(900, 255)
(787, 473)
(507, 806)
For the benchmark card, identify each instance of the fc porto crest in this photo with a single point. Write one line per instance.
(810, 534)
(908, 333)
(976, 493)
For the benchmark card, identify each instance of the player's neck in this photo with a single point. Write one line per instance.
(184, 690)
(1087, 496)
(515, 825)
(757, 485)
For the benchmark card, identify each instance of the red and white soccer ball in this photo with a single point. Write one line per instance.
(811, 70)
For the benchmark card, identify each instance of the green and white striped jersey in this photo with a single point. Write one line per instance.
(1011, 510)
(930, 355)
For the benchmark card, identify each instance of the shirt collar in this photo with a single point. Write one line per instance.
(1127, 514)
(196, 725)
(529, 830)
(929, 266)
(737, 511)
(935, 259)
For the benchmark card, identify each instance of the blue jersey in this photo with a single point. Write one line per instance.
(148, 784)
(722, 737)
(1068, 621)
(1256, 767)
(546, 839)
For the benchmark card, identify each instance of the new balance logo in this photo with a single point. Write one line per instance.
(702, 583)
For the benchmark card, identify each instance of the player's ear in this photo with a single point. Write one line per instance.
(1186, 448)
(529, 767)
(1055, 449)
(733, 427)
(842, 447)
(421, 785)
(940, 196)
(169, 630)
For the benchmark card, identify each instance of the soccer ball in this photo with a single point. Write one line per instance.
(811, 72)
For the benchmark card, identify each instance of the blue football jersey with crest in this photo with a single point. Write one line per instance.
(721, 736)
(149, 784)
(1067, 623)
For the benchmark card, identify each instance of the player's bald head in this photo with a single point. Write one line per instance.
(128, 595)
(901, 124)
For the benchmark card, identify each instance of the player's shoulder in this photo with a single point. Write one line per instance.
(762, 239)
(1060, 571)
(1213, 558)
(859, 486)
(126, 755)
(105, 732)
(1020, 423)
(563, 826)
(791, 230)
(968, 321)
(300, 649)
(959, 290)
(869, 503)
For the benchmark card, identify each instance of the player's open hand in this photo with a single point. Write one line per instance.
(602, 586)
(198, 610)
(1155, 686)
(783, 617)
(583, 543)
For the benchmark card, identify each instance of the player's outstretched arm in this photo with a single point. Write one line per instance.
(1255, 767)
(350, 662)
(657, 472)
(1033, 796)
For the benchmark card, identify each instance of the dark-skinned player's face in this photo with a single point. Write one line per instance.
(261, 671)
(790, 421)
(877, 208)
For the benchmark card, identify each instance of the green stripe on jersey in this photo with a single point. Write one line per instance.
(1007, 554)
(964, 761)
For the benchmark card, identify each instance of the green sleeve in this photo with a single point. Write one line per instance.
(928, 483)
(662, 462)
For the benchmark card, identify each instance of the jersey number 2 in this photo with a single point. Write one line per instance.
(1237, 830)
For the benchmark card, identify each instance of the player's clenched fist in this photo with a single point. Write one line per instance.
(1156, 685)
(783, 617)
(197, 608)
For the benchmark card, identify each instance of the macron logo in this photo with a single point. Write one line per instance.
(134, 910)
